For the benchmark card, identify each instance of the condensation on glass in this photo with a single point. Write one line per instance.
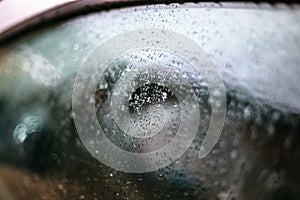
(256, 52)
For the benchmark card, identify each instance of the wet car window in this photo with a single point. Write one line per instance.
(153, 102)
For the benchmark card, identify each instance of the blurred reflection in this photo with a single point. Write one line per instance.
(257, 156)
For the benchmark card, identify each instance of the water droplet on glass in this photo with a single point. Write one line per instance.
(32, 123)
(271, 129)
(20, 133)
(76, 47)
(247, 113)
(233, 154)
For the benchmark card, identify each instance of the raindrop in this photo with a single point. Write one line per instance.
(103, 86)
(60, 187)
(33, 124)
(247, 113)
(233, 154)
(76, 47)
(222, 171)
(20, 133)
(271, 129)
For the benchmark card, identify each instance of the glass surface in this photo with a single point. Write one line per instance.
(256, 54)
